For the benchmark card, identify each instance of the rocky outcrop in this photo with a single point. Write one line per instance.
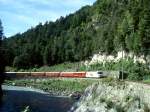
(76, 95)
(103, 58)
(114, 97)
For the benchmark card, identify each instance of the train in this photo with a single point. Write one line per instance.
(89, 74)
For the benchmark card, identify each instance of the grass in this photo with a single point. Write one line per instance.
(147, 81)
(54, 86)
(67, 66)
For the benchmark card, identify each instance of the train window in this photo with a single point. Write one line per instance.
(100, 72)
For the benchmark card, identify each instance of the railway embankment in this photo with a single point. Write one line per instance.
(114, 96)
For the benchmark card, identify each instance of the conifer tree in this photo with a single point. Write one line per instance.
(1, 59)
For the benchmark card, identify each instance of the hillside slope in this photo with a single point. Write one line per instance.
(108, 26)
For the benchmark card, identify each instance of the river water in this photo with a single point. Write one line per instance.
(15, 99)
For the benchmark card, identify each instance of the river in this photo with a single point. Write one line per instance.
(15, 99)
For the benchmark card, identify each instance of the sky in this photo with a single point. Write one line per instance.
(19, 15)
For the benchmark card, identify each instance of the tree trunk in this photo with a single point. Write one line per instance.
(2, 77)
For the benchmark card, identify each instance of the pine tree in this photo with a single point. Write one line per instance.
(1, 59)
(1, 32)
(144, 27)
(1, 36)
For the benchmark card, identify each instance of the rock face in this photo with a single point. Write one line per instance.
(103, 58)
(114, 97)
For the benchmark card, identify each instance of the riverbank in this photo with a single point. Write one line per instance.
(98, 95)
(16, 99)
(115, 96)
(55, 86)
(18, 88)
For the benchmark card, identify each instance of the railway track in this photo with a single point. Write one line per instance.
(94, 74)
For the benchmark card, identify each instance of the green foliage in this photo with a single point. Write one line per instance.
(1, 36)
(67, 66)
(108, 26)
(21, 61)
(2, 61)
(1, 31)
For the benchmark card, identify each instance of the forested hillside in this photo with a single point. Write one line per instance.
(108, 26)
